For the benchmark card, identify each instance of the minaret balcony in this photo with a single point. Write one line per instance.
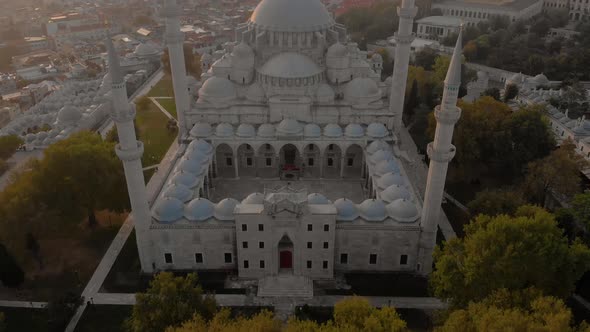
(448, 115)
(403, 40)
(440, 156)
(129, 154)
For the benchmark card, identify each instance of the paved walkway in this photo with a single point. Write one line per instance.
(23, 304)
(18, 160)
(237, 300)
(168, 115)
(417, 171)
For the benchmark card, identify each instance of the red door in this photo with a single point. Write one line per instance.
(286, 258)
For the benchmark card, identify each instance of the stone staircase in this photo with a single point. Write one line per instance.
(285, 286)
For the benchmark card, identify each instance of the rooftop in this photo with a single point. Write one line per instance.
(441, 20)
(515, 5)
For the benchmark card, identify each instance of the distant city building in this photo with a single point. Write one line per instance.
(7, 83)
(473, 12)
(36, 43)
(437, 27)
(7, 113)
(555, 5)
(579, 10)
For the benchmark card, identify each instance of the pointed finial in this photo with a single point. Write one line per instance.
(114, 66)
(454, 72)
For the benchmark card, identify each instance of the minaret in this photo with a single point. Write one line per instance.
(130, 150)
(175, 40)
(403, 39)
(440, 152)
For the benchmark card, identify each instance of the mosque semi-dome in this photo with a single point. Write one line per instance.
(361, 90)
(290, 65)
(217, 89)
(291, 16)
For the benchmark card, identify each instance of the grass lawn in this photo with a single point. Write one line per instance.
(169, 105)
(25, 320)
(99, 318)
(163, 88)
(156, 137)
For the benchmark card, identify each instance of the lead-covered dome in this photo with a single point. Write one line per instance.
(246, 130)
(346, 209)
(289, 127)
(373, 210)
(199, 209)
(168, 209)
(254, 198)
(68, 116)
(291, 16)
(395, 192)
(266, 130)
(224, 210)
(290, 65)
(178, 191)
(354, 130)
(312, 130)
(318, 199)
(201, 129)
(361, 90)
(217, 89)
(403, 210)
(332, 130)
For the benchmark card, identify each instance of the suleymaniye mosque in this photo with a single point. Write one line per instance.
(289, 167)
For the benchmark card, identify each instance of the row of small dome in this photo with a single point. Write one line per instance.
(190, 169)
(289, 127)
(170, 208)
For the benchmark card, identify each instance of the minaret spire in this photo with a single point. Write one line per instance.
(175, 41)
(130, 150)
(440, 152)
(403, 40)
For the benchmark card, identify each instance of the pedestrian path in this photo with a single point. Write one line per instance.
(162, 109)
(23, 304)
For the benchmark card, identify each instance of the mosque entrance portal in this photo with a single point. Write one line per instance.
(290, 169)
(285, 254)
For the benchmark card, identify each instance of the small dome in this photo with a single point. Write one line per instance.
(373, 210)
(325, 93)
(242, 51)
(218, 88)
(354, 130)
(145, 50)
(312, 130)
(380, 156)
(254, 198)
(347, 210)
(403, 210)
(376, 58)
(42, 135)
(224, 210)
(541, 79)
(168, 209)
(178, 191)
(185, 178)
(224, 130)
(386, 166)
(246, 130)
(376, 146)
(515, 79)
(390, 179)
(200, 146)
(193, 166)
(395, 192)
(199, 209)
(377, 130)
(337, 50)
(361, 88)
(256, 93)
(318, 199)
(289, 127)
(201, 129)
(266, 130)
(332, 130)
(68, 116)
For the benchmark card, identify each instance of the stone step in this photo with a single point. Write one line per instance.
(285, 286)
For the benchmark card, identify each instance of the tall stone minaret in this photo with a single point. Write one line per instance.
(403, 39)
(175, 40)
(130, 150)
(440, 152)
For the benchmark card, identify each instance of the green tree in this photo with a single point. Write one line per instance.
(495, 202)
(411, 102)
(543, 313)
(558, 172)
(353, 314)
(510, 92)
(387, 62)
(11, 274)
(492, 92)
(527, 250)
(168, 302)
(86, 173)
(425, 58)
(223, 322)
(530, 134)
(8, 145)
(2, 322)
(581, 208)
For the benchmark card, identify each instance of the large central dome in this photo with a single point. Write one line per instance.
(292, 16)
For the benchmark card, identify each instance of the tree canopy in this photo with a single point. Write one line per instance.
(499, 312)
(508, 252)
(558, 172)
(168, 302)
(8, 145)
(223, 322)
(495, 202)
(581, 208)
